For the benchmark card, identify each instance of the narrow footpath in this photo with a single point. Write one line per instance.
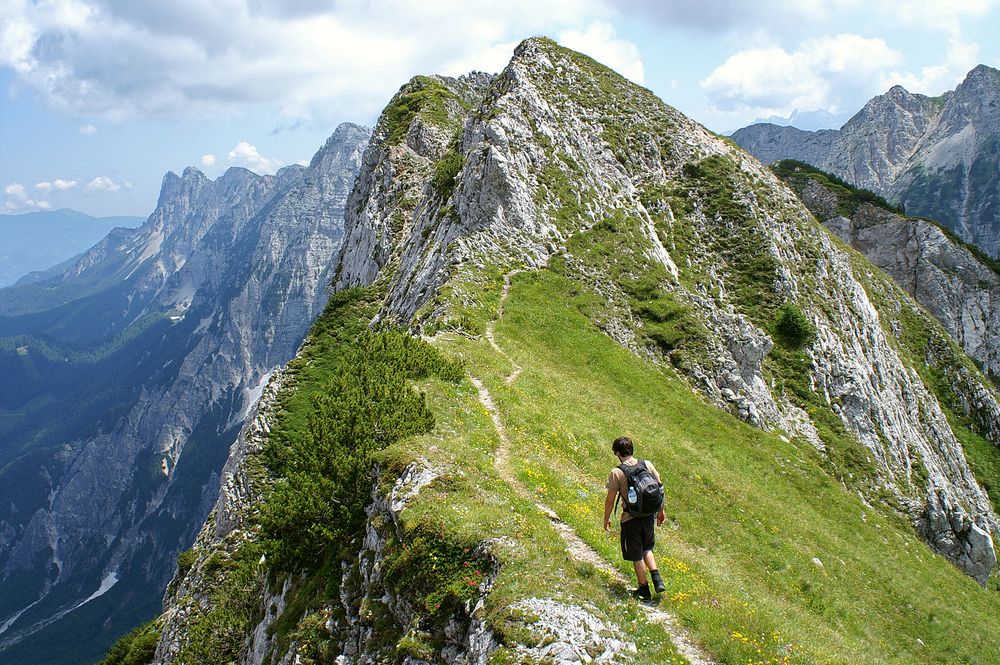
(578, 549)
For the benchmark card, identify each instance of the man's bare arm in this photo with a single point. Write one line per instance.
(609, 505)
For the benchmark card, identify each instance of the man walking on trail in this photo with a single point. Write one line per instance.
(632, 481)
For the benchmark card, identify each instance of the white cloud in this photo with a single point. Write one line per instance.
(58, 183)
(17, 199)
(320, 59)
(16, 191)
(102, 184)
(600, 42)
(834, 73)
(935, 79)
(88, 130)
(208, 160)
(245, 154)
(932, 13)
(801, 16)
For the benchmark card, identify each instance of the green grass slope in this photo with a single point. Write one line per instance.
(749, 515)
(747, 511)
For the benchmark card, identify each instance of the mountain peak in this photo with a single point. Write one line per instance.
(534, 43)
(191, 172)
(980, 71)
(981, 79)
(347, 136)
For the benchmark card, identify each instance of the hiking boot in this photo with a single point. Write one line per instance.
(657, 581)
(642, 593)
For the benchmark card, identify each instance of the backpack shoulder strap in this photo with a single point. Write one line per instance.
(631, 471)
(622, 468)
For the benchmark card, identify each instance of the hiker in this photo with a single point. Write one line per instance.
(638, 485)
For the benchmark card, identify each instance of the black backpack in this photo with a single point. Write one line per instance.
(648, 491)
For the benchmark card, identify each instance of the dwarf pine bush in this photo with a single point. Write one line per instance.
(323, 474)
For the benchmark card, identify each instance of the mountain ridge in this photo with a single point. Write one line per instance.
(35, 242)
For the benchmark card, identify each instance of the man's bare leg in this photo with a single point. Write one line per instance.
(650, 563)
(647, 558)
(640, 570)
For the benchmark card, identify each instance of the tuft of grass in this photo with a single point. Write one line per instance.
(445, 171)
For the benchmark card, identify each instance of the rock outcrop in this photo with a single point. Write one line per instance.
(961, 289)
(937, 156)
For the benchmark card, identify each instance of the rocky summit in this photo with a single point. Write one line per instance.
(134, 369)
(936, 156)
(535, 263)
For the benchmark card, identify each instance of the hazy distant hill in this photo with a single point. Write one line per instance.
(39, 240)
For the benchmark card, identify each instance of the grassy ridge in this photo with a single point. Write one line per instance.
(748, 512)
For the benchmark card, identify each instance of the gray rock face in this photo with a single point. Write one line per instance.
(240, 267)
(961, 291)
(937, 156)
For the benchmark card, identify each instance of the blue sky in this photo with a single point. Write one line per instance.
(99, 98)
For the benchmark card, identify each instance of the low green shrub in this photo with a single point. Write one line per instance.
(792, 328)
(445, 172)
(323, 473)
(137, 647)
(185, 560)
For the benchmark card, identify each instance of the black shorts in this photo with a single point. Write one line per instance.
(638, 537)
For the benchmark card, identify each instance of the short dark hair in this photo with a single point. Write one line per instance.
(622, 446)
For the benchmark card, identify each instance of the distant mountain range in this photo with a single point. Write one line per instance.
(937, 157)
(37, 241)
(125, 377)
(807, 120)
